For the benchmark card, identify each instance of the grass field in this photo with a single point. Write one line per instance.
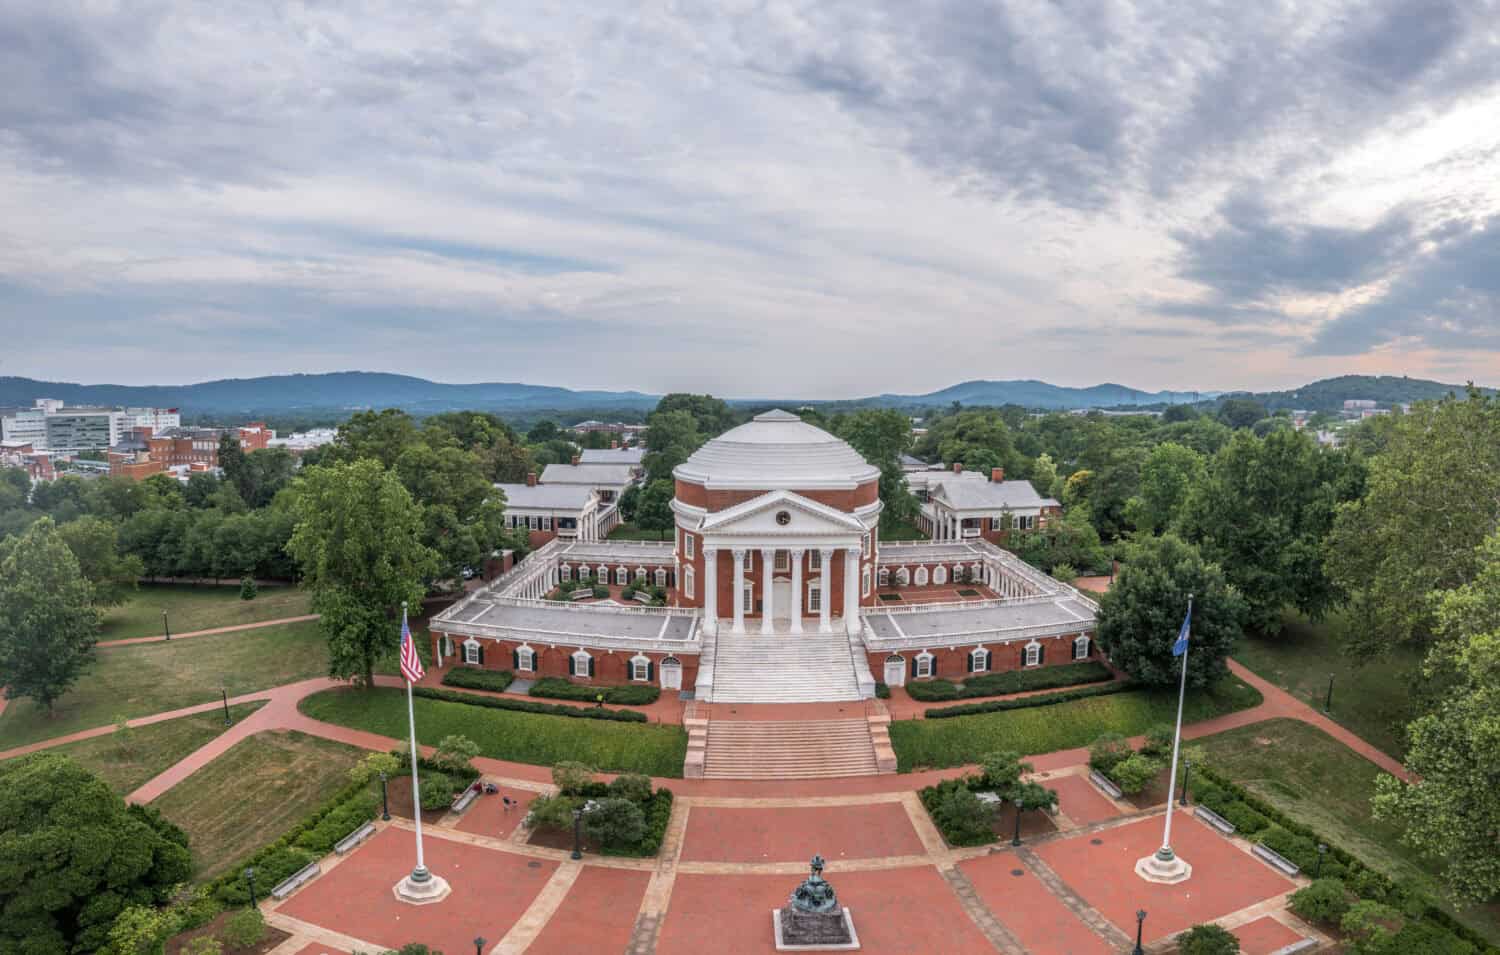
(1371, 698)
(151, 749)
(1326, 786)
(629, 532)
(252, 794)
(655, 749)
(198, 608)
(150, 678)
(936, 744)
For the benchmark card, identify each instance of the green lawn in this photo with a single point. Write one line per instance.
(1327, 787)
(629, 532)
(1371, 698)
(936, 744)
(148, 678)
(198, 608)
(150, 749)
(655, 749)
(252, 794)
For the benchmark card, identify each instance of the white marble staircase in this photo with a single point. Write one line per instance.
(789, 749)
(781, 667)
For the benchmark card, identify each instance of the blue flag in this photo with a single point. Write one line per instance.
(1180, 647)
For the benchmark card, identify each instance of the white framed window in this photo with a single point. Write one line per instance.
(640, 668)
(546, 522)
(1023, 522)
(525, 659)
(864, 583)
(1081, 648)
(565, 572)
(1033, 654)
(903, 576)
(864, 543)
(747, 598)
(661, 576)
(583, 573)
(749, 560)
(921, 577)
(689, 549)
(885, 577)
(533, 523)
(640, 573)
(602, 574)
(976, 573)
(581, 664)
(688, 584)
(979, 660)
(814, 598)
(815, 559)
(783, 560)
(472, 656)
(940, 574)
(622, 576)
(922, 664)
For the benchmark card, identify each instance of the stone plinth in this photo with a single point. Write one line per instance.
(1164, 870)
(798, 931)
(434, 888)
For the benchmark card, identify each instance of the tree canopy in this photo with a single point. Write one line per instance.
(48, 623)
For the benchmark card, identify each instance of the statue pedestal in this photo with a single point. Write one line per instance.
(798, 931)
(1164, 871)
(433, 889)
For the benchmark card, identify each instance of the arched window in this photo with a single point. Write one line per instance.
(903, 577)
(583, 573)
(815, 597)
(525, 659)
(688, 588)
(1033, 654)
(976, 573)
(747, 597)
(565, 572)
(885, 576)
(979, 660)
(640, 668)
(921, 576)
(661, 576)
(581, 664)
(940, 574)
(603, 574)
(864, 583)
(1081, 647)
(640, 573)
(923, 665)
(622, 576)
(473, 655)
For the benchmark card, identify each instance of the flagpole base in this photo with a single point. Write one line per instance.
(434, 888)
(1164, 868)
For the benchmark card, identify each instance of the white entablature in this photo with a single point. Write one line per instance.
(782, 516)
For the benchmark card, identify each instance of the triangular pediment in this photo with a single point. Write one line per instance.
(782, 513)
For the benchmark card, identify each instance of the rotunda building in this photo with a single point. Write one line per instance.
(776, 529)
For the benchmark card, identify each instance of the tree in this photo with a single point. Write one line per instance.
(455, 754)
(1030, 796)
(711, 416)
(1207, 939)
(266, 472)
(615, 821)
(670, 437)
(653, 511)
(1430, 498)
(1168, 475)
(543, 431)
(1044, 475)
(139, 930)
(1003, 770)
(48, 624)
(881, 437)
(1241, 412)
(95, 544)
(1175, 413)
(74, 856)
(232, 463)
(381, 435)
(463, 517)
(1140, 615)
(358, 541)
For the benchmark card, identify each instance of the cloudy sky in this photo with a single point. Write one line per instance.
(818, 198)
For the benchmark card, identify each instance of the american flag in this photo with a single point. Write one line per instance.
(411, 664)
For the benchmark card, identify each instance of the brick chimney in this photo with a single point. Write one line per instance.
(531, 479)
(576, 459)
(997, 475)
(958, 467)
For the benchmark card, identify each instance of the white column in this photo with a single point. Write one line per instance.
(851, 589)
(825, 604)
(711, 589)
(796, 608)
(768, 602)
(739, 590)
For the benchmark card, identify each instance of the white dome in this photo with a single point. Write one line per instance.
(776, 450)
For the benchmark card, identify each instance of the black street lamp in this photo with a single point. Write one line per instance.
(577, 833)
(166, 628)
(1187, 767)
(479, 941)
(1318, 869)
(1016, 839)
(385, 803)
(225, 691)
(1328, 703)
(1140, 921)
(250, 881)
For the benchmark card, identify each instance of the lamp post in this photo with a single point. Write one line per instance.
(1187, 768)
(1140, 921)
(1328, 703)
(166, 628)
(250, 881)
(1015, 840)
(479, 941)
(1318, 869)
(577, 833)
(385, 803)
(224, 690)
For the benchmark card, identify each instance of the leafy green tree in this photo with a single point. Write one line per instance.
(380, 435)
(1140, 615)
(74, 856)
(1115, 481)
(1176, 413)
(48, 623)
(139, 930)
(1044, 475)
(711, 416)
(964, 817)
(1071, 542)
(96, 546)
(266, 472)
(1003, 770)
(543, 431)
(615, 821)
(1207, 939)
(1134, 772)
(358, 541)
(670, 437)
(455, 754)
(1030, 796)
(1431, 497)
(1241, 412)
(653, 510)
(1169, 473)
(463, 517)
(881, 437)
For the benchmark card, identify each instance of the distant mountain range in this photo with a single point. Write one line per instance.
(357, 390)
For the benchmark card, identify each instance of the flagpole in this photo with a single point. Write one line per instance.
(420, 873)
(1165, 852)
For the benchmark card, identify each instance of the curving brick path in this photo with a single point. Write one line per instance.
(131, 641)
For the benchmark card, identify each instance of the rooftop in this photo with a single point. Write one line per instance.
(1016, 620)
(570, 497)
(541, 621)
(975, 495)
(630, 456)
(606, 475)
(776, 450)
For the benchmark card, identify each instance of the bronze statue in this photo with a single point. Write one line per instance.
(815, 894)
(813, 916)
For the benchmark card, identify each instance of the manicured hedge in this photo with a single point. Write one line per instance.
(474, 679)
(1299, 843)
(1028, 702)
(307, 841)
(658, 810)
(526, 706)
(1010, 681)
(882, 691)
(555, 687)
(932, 798)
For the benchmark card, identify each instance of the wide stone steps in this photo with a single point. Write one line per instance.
(786, 749)
(783, 668)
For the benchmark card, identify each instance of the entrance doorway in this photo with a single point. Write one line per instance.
(671, 673)
(895, 671)
(781, 592)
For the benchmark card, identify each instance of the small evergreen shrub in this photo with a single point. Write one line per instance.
(552, 812)
(203, 945)
(633, 786)
(1158, 741)
(1135, 772)
(1108, 751)
(473, 678)
(1299, 850)
(1370, 927)
(571, 777)
(615, 821)
(1244, 819)
(244, 928)
(1207, 940)
(958, 812)
(455, 754)
(1324, 901)
(630, 694)
(601, 591)
(530, 706)
(248, 588)
(437, 790)
(882, 691)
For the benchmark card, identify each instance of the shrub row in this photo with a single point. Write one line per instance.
(1010, 681)
(526, 706)
(656, 810)
(475, 679)
(1276, 830)
(555, 687)
(1027, 702)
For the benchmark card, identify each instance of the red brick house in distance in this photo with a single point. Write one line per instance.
(780, 588)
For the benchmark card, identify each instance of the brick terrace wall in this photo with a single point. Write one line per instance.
(953, 664)
(611, 667)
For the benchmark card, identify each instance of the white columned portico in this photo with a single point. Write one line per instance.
(796, 608)
(711, 589)
(739, 590)
(825, 590)
(851, 589)
(768, 599)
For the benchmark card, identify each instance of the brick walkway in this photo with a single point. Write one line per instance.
(131, 641)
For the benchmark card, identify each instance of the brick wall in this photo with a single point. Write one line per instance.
(952, 664)
(610, 667)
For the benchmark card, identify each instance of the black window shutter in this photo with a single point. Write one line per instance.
(932, 667)
(913, 666)
(1041, 653)
(481, 654)
(650, 671)
(591, 666)
(572, 665)
(970, 662)
(515, 659)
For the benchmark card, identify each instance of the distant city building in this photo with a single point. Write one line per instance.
(1358, 404)
(20, 454)
(142, 452)
(53, 427)
(617, 427)
(301, 441)
(965, 505)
